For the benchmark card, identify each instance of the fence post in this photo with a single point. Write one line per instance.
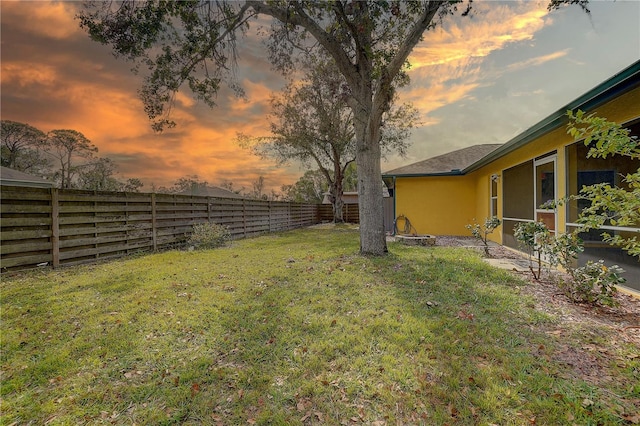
(244, 218)
(154, 230)
(55, 228)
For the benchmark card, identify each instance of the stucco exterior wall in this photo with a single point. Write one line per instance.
(437, 205)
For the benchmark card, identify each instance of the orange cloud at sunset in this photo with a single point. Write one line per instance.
(89, 108)
(539, 60)
(49, 19)
(24, 74)
(494, 26)
(428, 99)
(445, 68)
(82, 87)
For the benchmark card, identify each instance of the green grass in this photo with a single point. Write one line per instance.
(292, 328)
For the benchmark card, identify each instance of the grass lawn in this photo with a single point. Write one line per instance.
(294, 328)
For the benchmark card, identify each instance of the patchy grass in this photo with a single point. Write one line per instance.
(293, 328)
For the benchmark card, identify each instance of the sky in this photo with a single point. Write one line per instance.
(477, 80)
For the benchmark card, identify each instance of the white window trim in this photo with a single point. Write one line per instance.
(607, 227)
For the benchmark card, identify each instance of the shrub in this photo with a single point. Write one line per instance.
(595, 283)
(482, 232)
(209, 235)
(535, 239)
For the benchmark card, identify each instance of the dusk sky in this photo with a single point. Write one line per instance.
(475, 80)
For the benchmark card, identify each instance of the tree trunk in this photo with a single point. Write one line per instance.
(336, 188)
(372, 236)
(338, 203)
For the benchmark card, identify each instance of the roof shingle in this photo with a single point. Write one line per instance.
(449, 163)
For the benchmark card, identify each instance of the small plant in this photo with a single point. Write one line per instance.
(209, 235)
(536, 239)
(564, 251)
(482, 232)
(596, 283)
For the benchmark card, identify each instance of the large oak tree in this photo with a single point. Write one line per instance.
(194, 43)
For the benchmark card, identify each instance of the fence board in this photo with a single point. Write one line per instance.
(22, 222)
(25, 247)
(104, 208)
(26, 234)
(26, 260)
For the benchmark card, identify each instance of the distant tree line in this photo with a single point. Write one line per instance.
(66, 157)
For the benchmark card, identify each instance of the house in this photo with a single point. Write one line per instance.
(434, 194)
(347, 197)
(210, 191)
(12, 177)
(351, 197)
(511, 181)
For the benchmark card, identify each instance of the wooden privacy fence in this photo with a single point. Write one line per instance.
(350, 213)
(65, 227)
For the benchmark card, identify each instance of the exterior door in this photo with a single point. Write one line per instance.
(546, 190)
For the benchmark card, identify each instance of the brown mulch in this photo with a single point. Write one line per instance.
(587, 339)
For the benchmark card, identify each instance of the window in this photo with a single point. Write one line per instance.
(525, 188)
(517, 189)
(493, 201)
(583, 171)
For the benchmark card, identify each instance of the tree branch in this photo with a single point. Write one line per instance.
(326, 40)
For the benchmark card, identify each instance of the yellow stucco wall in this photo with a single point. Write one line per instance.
(444, 205)
(437, 205)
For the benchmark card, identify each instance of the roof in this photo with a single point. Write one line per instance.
(446, 164)
(12, 177)
(348, 197)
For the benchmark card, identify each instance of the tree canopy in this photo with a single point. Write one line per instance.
(68, 147)
(22, 146)
(194, 43)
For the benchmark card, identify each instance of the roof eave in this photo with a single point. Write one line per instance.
(26, 183)
(451, 173)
